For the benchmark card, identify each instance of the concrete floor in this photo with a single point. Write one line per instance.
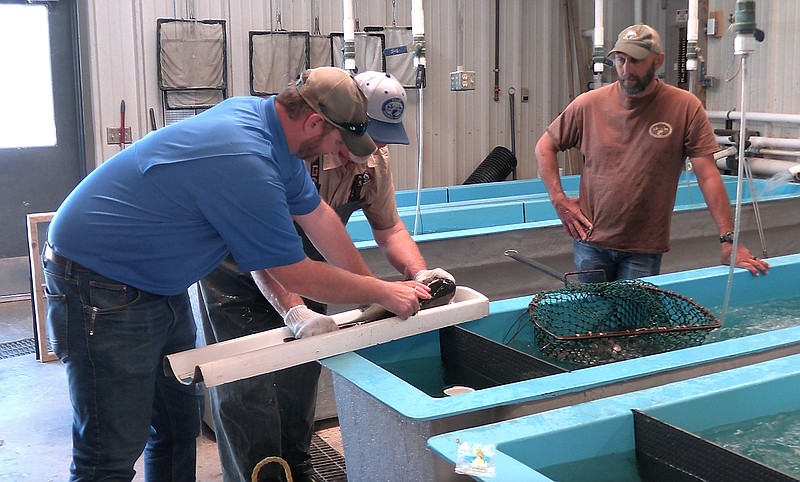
(36, 417)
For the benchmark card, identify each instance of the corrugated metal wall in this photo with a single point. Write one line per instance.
(459, 128)
(773, 80)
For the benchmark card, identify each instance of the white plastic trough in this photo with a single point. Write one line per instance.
(269, 351)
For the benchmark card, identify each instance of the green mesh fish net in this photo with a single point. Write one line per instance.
(597, 323)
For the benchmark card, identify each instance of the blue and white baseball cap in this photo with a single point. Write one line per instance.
(386, 103)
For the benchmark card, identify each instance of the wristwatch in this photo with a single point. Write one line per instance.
(727, 237)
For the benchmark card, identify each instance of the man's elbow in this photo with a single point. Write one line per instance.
(544, 147)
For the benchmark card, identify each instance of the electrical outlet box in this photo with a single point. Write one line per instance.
(112, 135)
(462, 80)
(714, 24)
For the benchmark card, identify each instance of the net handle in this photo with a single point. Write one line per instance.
(514, 254)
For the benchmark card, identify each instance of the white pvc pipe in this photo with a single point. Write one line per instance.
(692, 28)
(418, 36)
(599, 34)
(418, 28)
(754, 116)
(692, 36)
(417, 18)
(778, 152)
(767, 167)
(731, 151)
(420, 144)
(769, 142)
(349, 29)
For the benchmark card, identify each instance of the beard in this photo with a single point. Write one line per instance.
(632, 85)
(310, 148)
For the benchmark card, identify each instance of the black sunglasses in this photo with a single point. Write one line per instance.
(357, 129)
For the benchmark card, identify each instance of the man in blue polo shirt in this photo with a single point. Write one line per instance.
(141, 228)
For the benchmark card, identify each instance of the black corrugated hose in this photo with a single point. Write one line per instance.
(496, 167)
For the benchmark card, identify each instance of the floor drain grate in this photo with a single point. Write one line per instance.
(328, 463)
(11, 349)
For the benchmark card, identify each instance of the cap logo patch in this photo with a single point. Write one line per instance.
(660, 130)
(393, 108)
(631, 35)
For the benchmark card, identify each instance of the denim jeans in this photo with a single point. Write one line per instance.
(263, 416)
(617, 265)
(112, 338)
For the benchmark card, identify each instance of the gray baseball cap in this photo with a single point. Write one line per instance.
(386, 102)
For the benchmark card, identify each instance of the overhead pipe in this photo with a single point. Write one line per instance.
(598, 56)
(349, 29)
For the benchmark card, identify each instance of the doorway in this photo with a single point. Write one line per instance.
(42, 155)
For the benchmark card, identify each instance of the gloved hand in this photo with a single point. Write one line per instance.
(305, 322)
(425, 275)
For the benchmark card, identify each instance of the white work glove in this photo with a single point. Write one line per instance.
(305, 322)
(425, 275)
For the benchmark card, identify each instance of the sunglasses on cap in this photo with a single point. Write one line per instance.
(357, 129)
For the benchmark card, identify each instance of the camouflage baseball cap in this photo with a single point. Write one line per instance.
(638, 41)
(334, 94)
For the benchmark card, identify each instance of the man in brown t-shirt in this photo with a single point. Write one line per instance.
(273, 414)
(635, 135)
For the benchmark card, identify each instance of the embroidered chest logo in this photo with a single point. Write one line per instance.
(660, 130)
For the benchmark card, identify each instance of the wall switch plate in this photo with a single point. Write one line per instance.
(112, 135)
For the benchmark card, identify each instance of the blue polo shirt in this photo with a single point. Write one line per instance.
(164, 212)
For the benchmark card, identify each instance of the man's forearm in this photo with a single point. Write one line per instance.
(281, 299)
(326, 231)
(322, 282)
(547, 162)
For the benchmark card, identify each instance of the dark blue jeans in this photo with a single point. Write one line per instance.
(112, 338)
(616, 264)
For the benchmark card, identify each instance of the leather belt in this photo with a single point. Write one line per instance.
(56, 258)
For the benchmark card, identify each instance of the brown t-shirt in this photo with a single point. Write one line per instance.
(634, 151)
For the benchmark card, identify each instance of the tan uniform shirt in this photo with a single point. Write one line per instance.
(368, 186)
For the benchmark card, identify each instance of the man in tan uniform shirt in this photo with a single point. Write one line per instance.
(273, 414)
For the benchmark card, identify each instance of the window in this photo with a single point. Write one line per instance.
(27, 117)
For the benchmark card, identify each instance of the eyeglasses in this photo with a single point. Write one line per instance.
(357, 129)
